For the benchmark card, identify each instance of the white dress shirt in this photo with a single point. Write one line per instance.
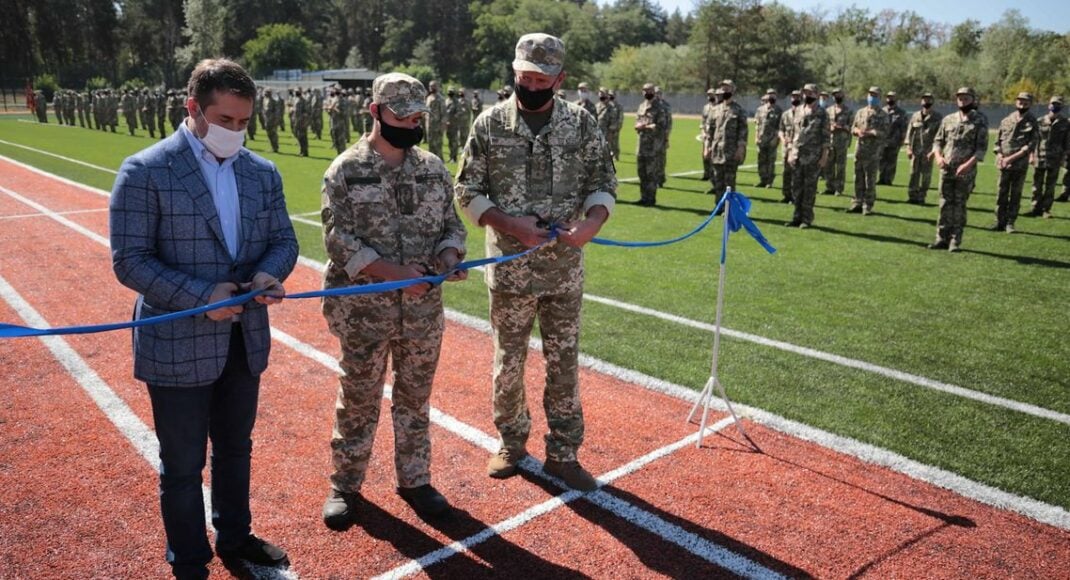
(222, 183)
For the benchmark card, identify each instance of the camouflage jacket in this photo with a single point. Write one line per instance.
(1054, 141)
(588, 106)
(867, 119)
(787, 129)
(767, 124)
(616, 114)
(652, 112)
(960, 138)
(403, 215)
(840, 118)
(1017, 132)
(556, 175)
(811, 135)
(456, 112)
(606, 116)
(921, 130)
(897, 125)
(726, 132)
(301, 114)
(435, 118)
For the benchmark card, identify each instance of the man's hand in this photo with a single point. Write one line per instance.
(223, 291)
(578, 234)
(446, 261)
(273, 290)
(966, 166)
(527, 231)
(391, 272)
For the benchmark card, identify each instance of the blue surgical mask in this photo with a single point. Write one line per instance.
(822, 102)
(873, 101)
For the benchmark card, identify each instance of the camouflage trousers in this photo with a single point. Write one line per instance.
(804, 185)
(1044, 180)
(648, 178)
(131, 123)
(836, 169)
(787, 186)
(301, 134)
(723, 176)
(512, 317)
(921, 175)
(954, 192)
(360, 397)
(434, 142)
(160, 122)
(453, 134)
(661, 156)
(273, 137)
(338, 138)
(250, 128)
(613, 139)
(1009, 196)
(889, 161)
(865, 182)
(317, 125)
(767, 163)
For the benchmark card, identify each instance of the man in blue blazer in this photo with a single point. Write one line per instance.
(196, 219)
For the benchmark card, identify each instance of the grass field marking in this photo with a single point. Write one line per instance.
(58, 156)
(906, 377)
(33, 215)
(1037, 510)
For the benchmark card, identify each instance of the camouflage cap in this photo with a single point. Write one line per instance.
(927, 95)
(796, 93)
(539, 53)
(1056, 99)
(728, 84)
(824, 93)
(890, 95)
(648, 87)
(611, 93)
(837, 90)
(874, 90)
(965, 91)
(603, 90)
(711, 92)
(401, 93)
(770, 92)
(583, 86)
(810, 87)
(1025, 96)
(560, 93)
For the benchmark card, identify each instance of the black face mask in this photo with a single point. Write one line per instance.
(839, 100)
(533, 100)
(603, 98)
(712, 98)
(926, 105)
(795, 102)
(1023, 110)
(400, 137)
(891, 103)
(727, 96)
(1054, 108)
(809, 99)
(966, 108)
(648, 96)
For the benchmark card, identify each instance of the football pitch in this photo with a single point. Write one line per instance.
(959, 361)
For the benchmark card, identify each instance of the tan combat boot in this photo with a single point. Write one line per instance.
(503, 463)
(570, 472)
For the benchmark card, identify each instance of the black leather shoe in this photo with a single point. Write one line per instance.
(425, 500)
(340, 509)
(253, 551)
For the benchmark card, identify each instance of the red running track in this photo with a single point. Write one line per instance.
(78, 500)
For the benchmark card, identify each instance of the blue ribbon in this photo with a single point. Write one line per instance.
(737, 218)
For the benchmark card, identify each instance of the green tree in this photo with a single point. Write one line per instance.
(204, 31)
(966, 38)
(278, 46)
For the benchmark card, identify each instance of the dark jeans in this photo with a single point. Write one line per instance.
(185, 417)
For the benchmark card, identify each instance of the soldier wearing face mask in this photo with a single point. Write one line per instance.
(711, 98)
(897, 128)
(766, 128)
(435, 119)
(726, 141)
(920, 132)
(809, 155)
(787, 136)
(1052, 149)
(652, 124)
(583, 91)
(1015, 143)
(388, 215)
(959, 145)
(840, 118)
(871, 128)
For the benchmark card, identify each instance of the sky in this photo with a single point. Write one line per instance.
(1051, 15)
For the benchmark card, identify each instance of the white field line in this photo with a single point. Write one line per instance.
(69, 159)
(1040, 511)
(140, 436)
(33, 215)
(700, 547)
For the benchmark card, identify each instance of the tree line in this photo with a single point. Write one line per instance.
(78, 43)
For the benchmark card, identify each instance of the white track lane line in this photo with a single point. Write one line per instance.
(33, 215)
(1029, 507)
(700, 547)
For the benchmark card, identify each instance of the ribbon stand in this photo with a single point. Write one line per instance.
(706, 397)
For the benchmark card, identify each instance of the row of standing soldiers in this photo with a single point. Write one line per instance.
(100, 109)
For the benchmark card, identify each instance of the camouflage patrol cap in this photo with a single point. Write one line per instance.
(824, 93)
(541, 53)
(927, 95)
(837, 90)
(770, 92)
(367, 91)
(726, 83)
(1024, 96)
(891, 94)
(603, 90)
(874, 90)
(582, 86)
(648, 87)
(810, 87)
(612, 94)
(401, 93)
(796, 93)
(1056, 100)
(710, 92)
(966, 91)
(560, 93)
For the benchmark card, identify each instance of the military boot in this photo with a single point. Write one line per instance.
(339, 511)
(503, 463)
(570, 472)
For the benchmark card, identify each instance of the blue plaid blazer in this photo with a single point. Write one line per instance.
(167, 245)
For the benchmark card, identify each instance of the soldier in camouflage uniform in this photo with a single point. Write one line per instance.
(613, 121)
(148, 112)
(533, 160)
(69, 105)
(456, 117)
(435, 119)
(365, 111)
(129, 105)
(707, 108)
(81, 103)
(614, 139)
(663, 153)
(302, 118)
(870, 127)
(766, 129)
(787, 138)
(388, 214)
(840, 118)
(40, 106)
(315, 112)
(897, 129)
(958, 147)
(652, 123)
(920, 132)
(272, 108)
(583, 92)
(174, 109)
(161, 112)
(1052, 148)
(809, 154)
(604, 112)
(466, 117)
(336, 116)
(258, 113)
(1015, 143)
(726, 140)
(113, 108)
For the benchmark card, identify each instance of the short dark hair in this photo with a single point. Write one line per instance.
(219, 74)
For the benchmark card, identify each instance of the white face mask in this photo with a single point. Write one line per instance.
(222, 142)
(583, 94)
